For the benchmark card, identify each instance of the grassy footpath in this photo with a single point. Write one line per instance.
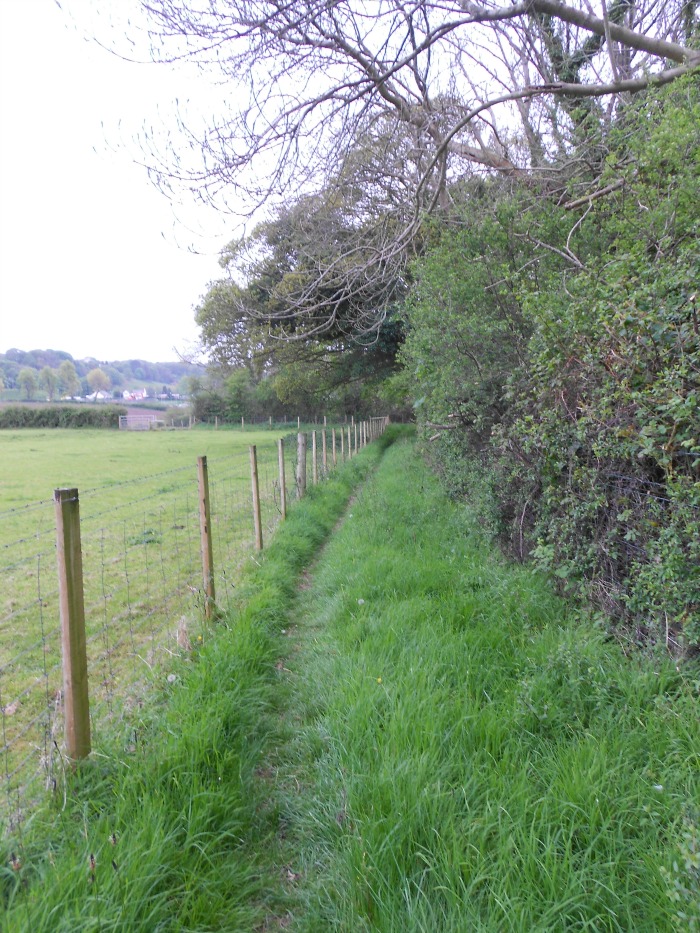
(415, 737)
(462, 755)
(160, 830)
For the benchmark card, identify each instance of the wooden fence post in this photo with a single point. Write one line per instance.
(324, 448)
(314, 458)
(257, 517)
(207, 543)
(355, 437)
(334, 449)
(342, 444)
(76, 699)
(283, 486)
(301, 464)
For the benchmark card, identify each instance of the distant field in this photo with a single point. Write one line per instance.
(34, 463)
(139, 507)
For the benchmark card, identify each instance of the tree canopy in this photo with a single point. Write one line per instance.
(98, 380)
(352, 123)
(314, 76)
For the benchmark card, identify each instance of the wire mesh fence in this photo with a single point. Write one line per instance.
(29, 650)
(143, 591)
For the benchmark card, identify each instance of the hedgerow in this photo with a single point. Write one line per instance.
(60, 416)
(571, 371)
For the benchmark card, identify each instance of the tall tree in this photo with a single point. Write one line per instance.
(444, 88)
(48, 381)
(316, 72)
(26, 380)
(98, 380)
(68, 380)
(304, 277)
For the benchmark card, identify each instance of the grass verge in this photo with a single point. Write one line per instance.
(462, 753)
(159, 830)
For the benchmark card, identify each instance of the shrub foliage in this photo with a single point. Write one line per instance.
(572, 368)
(60, 416)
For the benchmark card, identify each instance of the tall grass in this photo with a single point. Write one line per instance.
(415, 736)
(160, 830)
(463, 753)
(142, 572)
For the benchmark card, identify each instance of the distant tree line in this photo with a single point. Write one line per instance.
(229, 395)
(53, 374)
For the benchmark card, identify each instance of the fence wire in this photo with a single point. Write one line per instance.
(143, 594)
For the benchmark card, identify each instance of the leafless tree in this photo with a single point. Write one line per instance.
(308, 78)
(401, 98)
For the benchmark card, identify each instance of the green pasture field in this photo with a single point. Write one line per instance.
(35, 462)
(144, 599)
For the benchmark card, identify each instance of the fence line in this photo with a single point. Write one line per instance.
(146, 593)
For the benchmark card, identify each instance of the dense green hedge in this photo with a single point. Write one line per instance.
(561, 349)
(60, 416)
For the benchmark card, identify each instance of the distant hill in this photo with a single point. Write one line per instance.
(123, 374)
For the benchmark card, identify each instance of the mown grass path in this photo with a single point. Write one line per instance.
(458, 752)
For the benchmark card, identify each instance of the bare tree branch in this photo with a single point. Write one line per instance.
(397, 102)
(600, 193)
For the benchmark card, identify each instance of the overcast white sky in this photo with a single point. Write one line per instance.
(93, 259)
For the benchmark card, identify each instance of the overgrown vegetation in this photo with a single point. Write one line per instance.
(465, 752)
(160, 829)
(569, 363)
(420, 737)
(547, 322)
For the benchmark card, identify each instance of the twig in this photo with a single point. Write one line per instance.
(586, 199)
